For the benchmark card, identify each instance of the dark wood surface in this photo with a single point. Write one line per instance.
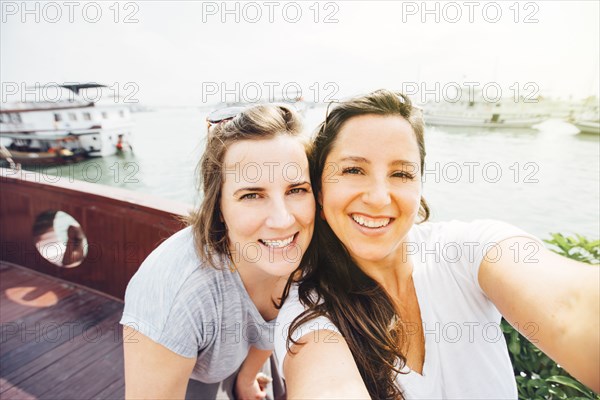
(121, 227)
(58, 340)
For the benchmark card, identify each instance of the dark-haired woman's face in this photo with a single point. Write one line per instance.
(371, 185)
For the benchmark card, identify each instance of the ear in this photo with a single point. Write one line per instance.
(320, 205)
(219, 206)
(220, 212)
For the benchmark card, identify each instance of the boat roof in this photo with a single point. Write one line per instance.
(35, 136)
(67, 96)
(47, 106)
(76, 87)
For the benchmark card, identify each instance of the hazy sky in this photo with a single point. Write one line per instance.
(183, 53)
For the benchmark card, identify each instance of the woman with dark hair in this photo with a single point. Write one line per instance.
(203, 304)
(397, 307)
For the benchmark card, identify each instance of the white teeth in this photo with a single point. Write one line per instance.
(278, 243)
(371, 223)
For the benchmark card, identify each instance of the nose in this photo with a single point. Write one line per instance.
(377, 194)
(279, 215)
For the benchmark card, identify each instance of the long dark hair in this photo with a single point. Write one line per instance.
(334, 286)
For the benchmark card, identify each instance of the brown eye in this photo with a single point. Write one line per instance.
(298, 190)
(403, 175)
(351, 171)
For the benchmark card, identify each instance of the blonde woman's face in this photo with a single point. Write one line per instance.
(267, 204)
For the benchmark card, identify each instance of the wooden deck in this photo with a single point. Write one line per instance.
(58, 340)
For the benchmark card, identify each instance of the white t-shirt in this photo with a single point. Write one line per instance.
(465, 352)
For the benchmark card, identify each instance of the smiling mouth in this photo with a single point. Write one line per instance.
(368, 222)
(278, 243)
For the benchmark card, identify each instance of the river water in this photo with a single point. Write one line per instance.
(542, 180)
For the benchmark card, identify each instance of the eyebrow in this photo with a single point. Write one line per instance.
(365, 161)
(293, 185)
(261, 189)
(248, 189)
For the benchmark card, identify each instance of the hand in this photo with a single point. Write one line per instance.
(253, 388)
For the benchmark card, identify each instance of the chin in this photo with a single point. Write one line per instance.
(279, 269)
(372, 255)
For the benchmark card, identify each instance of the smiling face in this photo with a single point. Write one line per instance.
(267, 204)
(371, 186)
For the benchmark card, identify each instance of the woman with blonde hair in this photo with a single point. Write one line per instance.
(203, 304)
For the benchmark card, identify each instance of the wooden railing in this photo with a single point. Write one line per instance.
(121, 227)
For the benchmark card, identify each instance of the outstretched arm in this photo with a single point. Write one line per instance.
(323, 368)
(561, 297)
(151, 370)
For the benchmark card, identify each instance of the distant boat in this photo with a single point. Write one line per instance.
(483, 120)
(294, 99)
(137, 108)
(470, 110)
(589, 127)
(49, 151)
(98, 126)
(587, 117)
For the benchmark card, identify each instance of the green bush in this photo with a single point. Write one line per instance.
(538, 377)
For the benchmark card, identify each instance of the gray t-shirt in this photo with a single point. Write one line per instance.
(195, 310)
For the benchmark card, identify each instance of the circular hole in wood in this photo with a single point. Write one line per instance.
(59, 239)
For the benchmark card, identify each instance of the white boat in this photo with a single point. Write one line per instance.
(99, 126)
(471, 110)
(587, 120)
(590, 127)
(51, 150)
(493, 120)
(293, 98)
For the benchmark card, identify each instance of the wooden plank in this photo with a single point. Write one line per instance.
(68, 354)
(55, 379)
(74, 352)
(11, 314)
(39, 327)
(90, 379)
(115, 390)
(15, 392)
(55, 333)
(30, 296)
(33, 334)
(87, 364)
(13, 277)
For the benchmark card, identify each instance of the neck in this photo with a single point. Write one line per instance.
(263, 289)
(394, 273)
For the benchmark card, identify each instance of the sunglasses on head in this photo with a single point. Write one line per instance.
(229, 113)
(224, 114)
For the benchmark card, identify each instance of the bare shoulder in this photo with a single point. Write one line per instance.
(322, 367)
